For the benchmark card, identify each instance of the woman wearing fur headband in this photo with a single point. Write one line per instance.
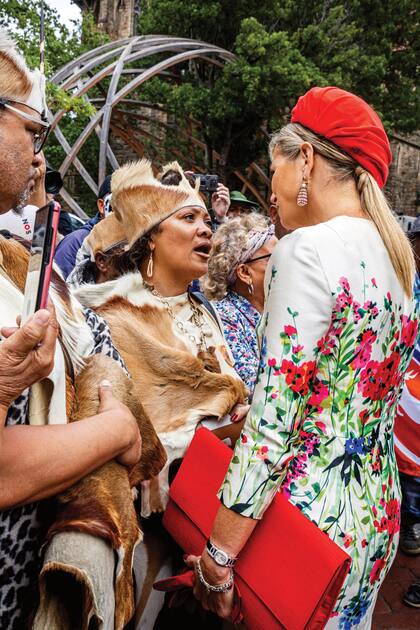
(172, 344)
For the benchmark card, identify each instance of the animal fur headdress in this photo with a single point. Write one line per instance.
(17, 82)
(140, 201)
(106, 235)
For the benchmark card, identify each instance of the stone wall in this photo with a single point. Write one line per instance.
(117, 19)
(403, 186)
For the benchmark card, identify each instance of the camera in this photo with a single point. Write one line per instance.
(208, 183)
(53, 181)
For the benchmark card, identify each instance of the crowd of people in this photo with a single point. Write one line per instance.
(291, 337)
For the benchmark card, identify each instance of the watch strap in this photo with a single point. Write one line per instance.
(219, 556)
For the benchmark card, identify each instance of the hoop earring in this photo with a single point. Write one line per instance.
(250, 288)
(302, 198)
(149, 271)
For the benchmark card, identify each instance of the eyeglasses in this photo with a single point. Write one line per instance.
(40, 136)
(258, 258)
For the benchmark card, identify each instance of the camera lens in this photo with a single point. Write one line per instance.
(53, 181)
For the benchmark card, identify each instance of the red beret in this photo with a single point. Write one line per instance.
(350, 123)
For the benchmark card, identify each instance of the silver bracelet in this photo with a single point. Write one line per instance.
(215, 588)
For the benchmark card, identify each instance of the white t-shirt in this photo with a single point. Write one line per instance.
(20, 225)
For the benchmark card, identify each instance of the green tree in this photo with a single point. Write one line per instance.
(22, 19)
(282, 48)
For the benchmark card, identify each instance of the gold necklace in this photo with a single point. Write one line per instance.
(197, 319)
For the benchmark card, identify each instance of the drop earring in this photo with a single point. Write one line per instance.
(149, 271)
(250, 288)
(302, 198)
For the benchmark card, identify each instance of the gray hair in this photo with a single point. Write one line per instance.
(230, 238)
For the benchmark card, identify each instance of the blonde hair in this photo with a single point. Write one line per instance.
(372, 200)
(15, 79)
(230, 238)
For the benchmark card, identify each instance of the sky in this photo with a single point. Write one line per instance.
(67, 10)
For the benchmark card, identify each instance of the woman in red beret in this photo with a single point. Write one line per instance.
(337, 336)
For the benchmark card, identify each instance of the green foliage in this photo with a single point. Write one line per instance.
(22, 19)
(283, 48)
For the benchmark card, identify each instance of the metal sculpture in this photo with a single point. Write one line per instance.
(103, 68)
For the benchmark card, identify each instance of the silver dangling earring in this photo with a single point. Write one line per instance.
(149, 271)
(250, 288)
(302, 198)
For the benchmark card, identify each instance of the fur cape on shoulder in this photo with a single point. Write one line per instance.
(176, 388)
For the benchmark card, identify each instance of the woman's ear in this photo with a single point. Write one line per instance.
(101, 262)
(307, 155)
(243, 273)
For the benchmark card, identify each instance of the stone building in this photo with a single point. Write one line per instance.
(117, 18)
(403, 186)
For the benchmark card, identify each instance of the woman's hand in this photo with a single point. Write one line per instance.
(128, 428)
(220, 201)
(239, 412)
(27, 355)
(219, 603)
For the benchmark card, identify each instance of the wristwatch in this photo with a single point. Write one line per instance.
(219, 556)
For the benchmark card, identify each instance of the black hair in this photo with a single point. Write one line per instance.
(173, 177)
(105, 187)
(132, 259)
(88, 272)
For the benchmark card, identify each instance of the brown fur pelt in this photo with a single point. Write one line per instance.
(101, 503)
(14, 259)
(175, 387)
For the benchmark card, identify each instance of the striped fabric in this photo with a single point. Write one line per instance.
(407, 419)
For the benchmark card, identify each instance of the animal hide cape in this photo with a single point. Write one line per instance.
(82, 585)
(177, 389)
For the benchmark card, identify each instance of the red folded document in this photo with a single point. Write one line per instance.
(289, 573)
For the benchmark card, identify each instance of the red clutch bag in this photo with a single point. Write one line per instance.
(289, 573)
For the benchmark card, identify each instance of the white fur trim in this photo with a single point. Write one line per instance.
(130, 286)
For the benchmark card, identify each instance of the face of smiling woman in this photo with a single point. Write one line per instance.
(181, 248)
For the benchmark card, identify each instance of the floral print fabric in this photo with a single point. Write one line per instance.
(338, 334)
(240, 320)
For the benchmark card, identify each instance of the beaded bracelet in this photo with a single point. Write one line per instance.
(215, 588)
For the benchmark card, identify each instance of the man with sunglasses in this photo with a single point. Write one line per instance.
(36, 461)
(23, 132)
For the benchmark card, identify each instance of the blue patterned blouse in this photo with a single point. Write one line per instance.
(240, 320)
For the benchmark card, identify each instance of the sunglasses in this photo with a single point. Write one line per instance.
(258, 258)
(39, 137)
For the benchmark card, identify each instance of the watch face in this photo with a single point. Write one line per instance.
(220, 557)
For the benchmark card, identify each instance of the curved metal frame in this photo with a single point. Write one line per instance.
(82, 74)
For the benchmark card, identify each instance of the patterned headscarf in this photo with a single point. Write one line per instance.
(255, 240)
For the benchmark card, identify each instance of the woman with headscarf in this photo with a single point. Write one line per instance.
(338, 333)
(235, 280)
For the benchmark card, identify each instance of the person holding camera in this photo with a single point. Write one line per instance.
(210, 187)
